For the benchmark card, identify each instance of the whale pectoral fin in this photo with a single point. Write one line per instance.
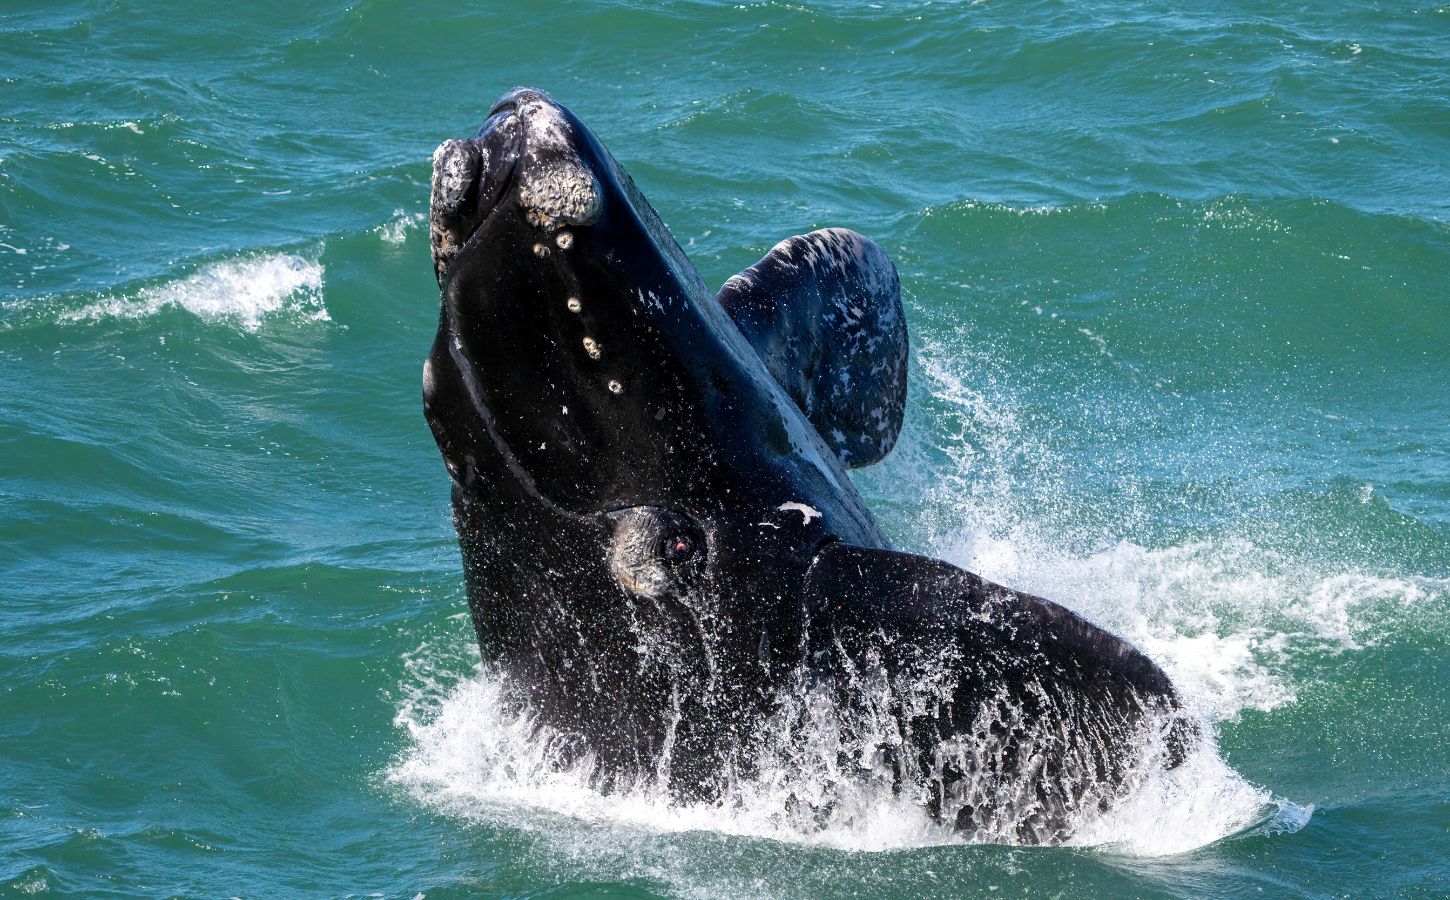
(823, 311)
(1005, 647)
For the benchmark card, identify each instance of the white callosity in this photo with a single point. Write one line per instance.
(555, 187)
(455, 174)
(453, 170)
(559, 193)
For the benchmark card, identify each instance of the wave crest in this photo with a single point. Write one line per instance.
(245, 290)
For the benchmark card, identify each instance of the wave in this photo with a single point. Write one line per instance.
(246, 290)
(396, 230)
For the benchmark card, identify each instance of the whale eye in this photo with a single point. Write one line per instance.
(678, 548)
(655, 551)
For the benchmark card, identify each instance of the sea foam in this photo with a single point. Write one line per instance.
(395, 231)
(245, 290)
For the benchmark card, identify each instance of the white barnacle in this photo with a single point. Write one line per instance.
(615, 387)
(591, 347)
(541, 250)
(564, 239)
(574, 304)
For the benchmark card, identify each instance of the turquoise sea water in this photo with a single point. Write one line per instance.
(1179, 288)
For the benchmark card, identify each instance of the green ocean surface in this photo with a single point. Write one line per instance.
(1178, 281)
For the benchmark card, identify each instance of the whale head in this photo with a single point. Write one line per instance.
(623, 463)
(578, 339)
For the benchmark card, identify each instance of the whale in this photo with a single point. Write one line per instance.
(664, 555)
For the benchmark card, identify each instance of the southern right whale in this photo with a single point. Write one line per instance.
(662, 549)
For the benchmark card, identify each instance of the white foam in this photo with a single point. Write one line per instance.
(1216, 625)
(1223, 615)
(245, 290)
(1200, 801)
(396, 230)
(471, 758)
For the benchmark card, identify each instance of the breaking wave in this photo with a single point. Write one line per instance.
(246, 291)
(395, 231)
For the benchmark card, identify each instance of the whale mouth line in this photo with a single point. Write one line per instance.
(488, 209)
(502, 168)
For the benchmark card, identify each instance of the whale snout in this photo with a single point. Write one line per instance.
(529, 142)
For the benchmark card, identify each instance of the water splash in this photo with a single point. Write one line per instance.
(819, 780)
(473, 758)
(1223, 615)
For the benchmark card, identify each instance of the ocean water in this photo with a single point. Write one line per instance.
(1178, 282)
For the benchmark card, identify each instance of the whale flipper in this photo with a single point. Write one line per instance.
(823, 310)
(1048, 711)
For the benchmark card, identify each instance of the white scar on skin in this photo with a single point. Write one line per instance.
(807, 512)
